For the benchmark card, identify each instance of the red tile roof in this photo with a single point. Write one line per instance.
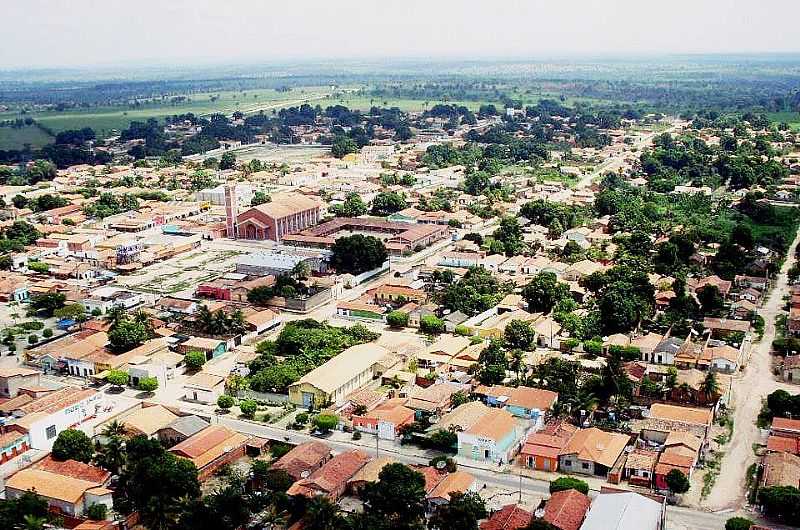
(331, 476)
(203, 441)
(566, 509)
(784, 444)
(786, 424)
(510, 517)
(306, 456)
(74, 469)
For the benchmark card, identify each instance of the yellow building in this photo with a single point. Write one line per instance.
(337, 378)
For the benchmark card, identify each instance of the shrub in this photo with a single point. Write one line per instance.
(431, 324)
(738, 523)
(73, 444)
(443, 440)
(278, 449)
(97, 512)
(356, 435)
(569, 483)
(462, 330)
(148, 384)
(326, 422)
(47, 333)
(194, 360)
(225, 402)
(677, 482)
(248, 408)
(397, 319)
(117, 378)
(33, 338)
(302, 418)
(32, 325)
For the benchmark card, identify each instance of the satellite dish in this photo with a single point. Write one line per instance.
(441, 464)
(305, 474)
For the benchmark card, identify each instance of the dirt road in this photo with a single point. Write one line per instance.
(748, 390)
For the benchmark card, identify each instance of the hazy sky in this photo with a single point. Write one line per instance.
(126, 32)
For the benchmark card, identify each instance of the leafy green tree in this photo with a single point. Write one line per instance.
(353, 206)
(117, 378)
(326, 422)
(443, 440)
(357, 253)
(126, 334)
(544, 291)
(474, 293)
(48, 303)
(72, 444)
(397, 499)
(462, 512)
(431, 324)
(194, 360)
(781, 502)
(677, 482)
(38, 266)
(509, 233)
(569, 483)
(155, 483)
(18, 512)
(492, 364)
(227, 161)
(225, 402)
(738, 523)
(397, 319)
(322, 514)
(97, 512)
(259, 197)
(477, 182)
(343, 145)
(148, 384)
(540, 524)
(519, 334)
(71, 311)
(388, 202)
(248, 408)
(711, 301)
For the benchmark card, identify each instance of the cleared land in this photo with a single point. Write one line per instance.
(792, 118)
(11, 138)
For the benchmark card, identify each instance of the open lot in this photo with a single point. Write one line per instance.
(11, 138)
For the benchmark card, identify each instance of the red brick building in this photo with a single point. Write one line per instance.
(287, 213)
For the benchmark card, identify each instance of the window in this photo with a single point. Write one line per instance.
(568, 463)
(51, 432)
(585, 465)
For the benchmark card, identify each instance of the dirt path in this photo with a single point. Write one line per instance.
(749, 389)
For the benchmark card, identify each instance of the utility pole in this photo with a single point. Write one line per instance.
(377, 442)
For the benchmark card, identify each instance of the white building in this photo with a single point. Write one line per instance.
(44, 418)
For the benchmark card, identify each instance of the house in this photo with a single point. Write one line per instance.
(616, 510)
(509, 517)
(666, 350)
(791, 368)
(639, 467)
(724, 327)
(492, 438)
(566, 510)
(180, 429)
(387, 419)
(784, 435)
(261, 321)
(211, 448)
(688, 419)
(369, 473)
(204, 387)
(145, 419)
(522, 401)
(44, 418)
(303, 460)
(669, 459)
(592, 452)
(12, 379)
(724, 358)
(331, 479)
(338, 377)
(457, 482)
(68, 487)
(433, 399)
(542, 448)
(210, 347)
(780, 469)
(287, 213)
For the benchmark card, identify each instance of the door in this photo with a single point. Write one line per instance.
(308, 400)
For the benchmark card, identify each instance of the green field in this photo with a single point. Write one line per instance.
(107, 121)
(18, 138)
(792, 118)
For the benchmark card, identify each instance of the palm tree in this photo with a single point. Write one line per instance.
(518, 363)
(205, 319)
(710, 385)
(114, 429)
(32, 522)
(322, 514)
